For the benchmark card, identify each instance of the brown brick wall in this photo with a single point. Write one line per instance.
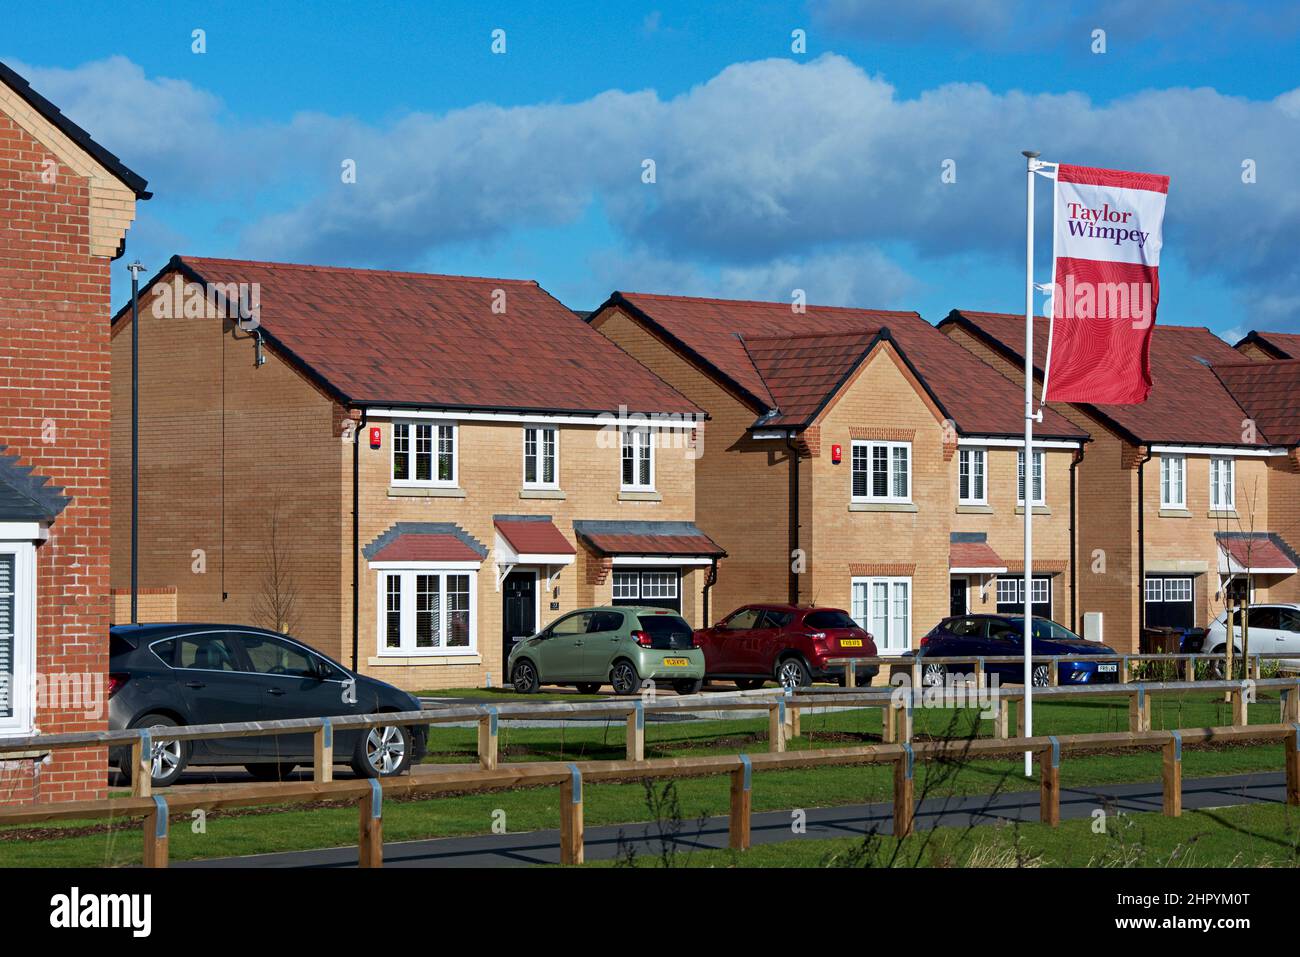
(54, 413)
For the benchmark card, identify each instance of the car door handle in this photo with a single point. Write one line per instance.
(578, 644)
(195, 684)
(275, 691)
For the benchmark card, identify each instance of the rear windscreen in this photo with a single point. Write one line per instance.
(663, 624)
(118, 645)
(829, 619)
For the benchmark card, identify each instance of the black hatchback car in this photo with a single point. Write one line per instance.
(179, 674)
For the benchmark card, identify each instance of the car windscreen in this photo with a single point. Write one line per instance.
(829, 619)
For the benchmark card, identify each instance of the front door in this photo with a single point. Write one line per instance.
(957, 596)
(518, 610)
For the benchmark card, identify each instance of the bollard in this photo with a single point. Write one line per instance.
(742, 780)
(571, 818)
(155, 834)
(487, 740)
(636, 733)
(1172, 776)
(904, 800)
(370, 809)
(1049, 794)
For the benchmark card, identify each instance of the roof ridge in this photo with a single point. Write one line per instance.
(1021, 315)
(764, 302)
(1254, 364)
(356, 270)
(864, 331)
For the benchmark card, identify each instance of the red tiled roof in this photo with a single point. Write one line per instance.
(415, 547)
(973, 555)
(413, 338)
(534, 537)
(1257, 550)
(1187, 404)
(1270, 394)
(980, 400)
(1284, 345)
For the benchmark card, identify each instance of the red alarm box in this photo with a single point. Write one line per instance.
(837, 453)
(374, 437)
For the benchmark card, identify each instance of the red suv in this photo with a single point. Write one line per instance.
(785, 643)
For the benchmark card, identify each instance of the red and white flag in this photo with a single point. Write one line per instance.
(1106, 270)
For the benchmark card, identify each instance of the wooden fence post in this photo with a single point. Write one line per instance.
(1240, 708)
(888, 725)
(1020, 718)
(1139, 711)
(323, 752)
(980, 676)
(1124, 670)
(906, 724)
(571, 818)
(1189, 668)
(850, 674)
(1173, 776)
(741, 795)
(1049, 794)
(1291, 705)
(776, 726)
(636, 732)
(904, 799)
(142, 765)
(487, 740)
(1292, 745)
(1002, 720)
(370, 843)
(1054, 678)
(155, 834)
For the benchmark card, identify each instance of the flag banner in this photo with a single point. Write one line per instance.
(1106, 275)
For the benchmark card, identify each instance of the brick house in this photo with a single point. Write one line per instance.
(1211, 455)
(65, 205)
(437, 465)
(1270, 345)
(856, 458)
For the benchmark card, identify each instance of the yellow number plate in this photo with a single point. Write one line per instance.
(850, 642)
(676, 662)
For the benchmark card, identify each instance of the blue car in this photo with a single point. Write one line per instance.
(989, 636)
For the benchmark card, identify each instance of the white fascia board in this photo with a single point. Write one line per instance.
(658, 420)
(24, 531)
(977, 571)
(1223, 451)
(769, 436)
(428, 566)
(658, 560)
(531, 558)
(1005, 443)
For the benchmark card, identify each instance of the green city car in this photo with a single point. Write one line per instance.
(622, 647)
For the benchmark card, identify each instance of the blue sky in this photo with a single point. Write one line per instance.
(775, 170)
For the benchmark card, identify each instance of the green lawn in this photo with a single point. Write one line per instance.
(1257, 835)
(257, 830)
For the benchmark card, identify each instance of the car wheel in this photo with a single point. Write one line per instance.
(587, 687)
(275, 771)
(1042, 676)
(624, 678)
(934, 675)
(382, 752)
(749, 684)
(169, 757)
(793, 673)
(688, 685)
(524, 677)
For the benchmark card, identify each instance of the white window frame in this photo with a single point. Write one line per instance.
(625, 574)
(974, 461)
(1183, 581)
(892, 450)
(638, 448)
(1156, 595)
(540, 446)
(863, 611)
(1171, 465)
(408, 572)
(22, 720)
(1223, 479)
(435, 437)
(661, 584)
(1040, 466)
(1039, 584)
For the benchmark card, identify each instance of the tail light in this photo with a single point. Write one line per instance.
(925, 640)
(642, 638)
(115, 683)
(817, 635)
(696, 642)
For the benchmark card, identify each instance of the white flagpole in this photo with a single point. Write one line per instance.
(1032, 164)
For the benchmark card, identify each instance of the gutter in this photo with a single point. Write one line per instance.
(793, 516)
(1075, 461)
(1142, 548)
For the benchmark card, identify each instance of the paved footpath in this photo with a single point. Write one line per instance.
(542, 847)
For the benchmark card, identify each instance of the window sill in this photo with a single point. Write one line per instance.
(972, 509)
(1038, 510)
(551, 493)
(425, 491)
(1222, 513)
(419, 661)
(883, 507)
(1175, 513)
(631, 496)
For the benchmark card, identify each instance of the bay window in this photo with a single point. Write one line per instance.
(428, 611)
(17, 636)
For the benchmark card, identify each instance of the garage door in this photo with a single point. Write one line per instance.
(1170, 602)
(656, 587)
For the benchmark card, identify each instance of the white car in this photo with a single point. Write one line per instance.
(1274, 629)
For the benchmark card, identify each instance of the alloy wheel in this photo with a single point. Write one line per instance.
(1042, 677)
(524, 677)
(791, 675)
(385, 749)
(934, 674)
(623, 679)
(166, 756)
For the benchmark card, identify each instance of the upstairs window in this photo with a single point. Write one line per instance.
(424, 453)
(1039, 495)
(1223, 496)
(971, 489)
(882, 472)
(540, 458)
(1173, 481)
(638, 460)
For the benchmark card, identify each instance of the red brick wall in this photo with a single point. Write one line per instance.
(54, 413)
